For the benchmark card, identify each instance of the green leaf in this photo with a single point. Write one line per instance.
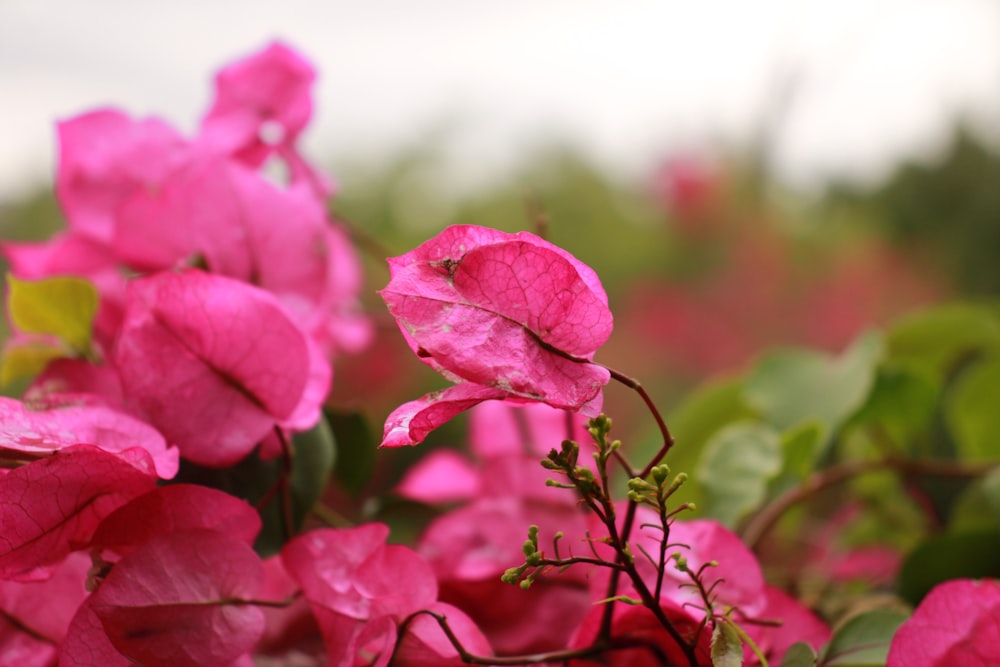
(356, 457)
(727, 647)
(800, 448)
(863, 641)
(314, 453)
(735, 469)
(968, 515)
(938, 338)
(692, 423)
(26, 358)
(990, 485)
(944, 557)
(903, 402)
(788, 387)
(62, 306)
(971, 411)
(799, 654)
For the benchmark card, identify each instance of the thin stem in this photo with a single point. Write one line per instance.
(762, 523)
(282, 487)
(668, 439)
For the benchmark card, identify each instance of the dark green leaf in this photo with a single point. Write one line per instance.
(864, 640)
(356, 452)
(964, 555)
(971, 411)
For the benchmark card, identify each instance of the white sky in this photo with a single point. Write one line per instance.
(625, 80)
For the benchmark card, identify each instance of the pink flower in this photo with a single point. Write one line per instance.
(360, 590)
(507, 316)
(215, 364)
(958, 623)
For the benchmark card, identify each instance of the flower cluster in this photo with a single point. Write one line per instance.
(186, 321)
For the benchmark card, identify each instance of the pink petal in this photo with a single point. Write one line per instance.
(502, 310)
(67, 382)
(286, 628)
(958, 623)
(442, 476)
(104, 157)
(542, 618)
(45, 431)
(742, 580)
(640, 625)
(353, 572)
(798, 624)
(426, 645)
(44, 609)
(266, 93)
(87, 644)
(358, 587)
(213, 362)
(52, 506)
(502, 429)
(176, 507)
(410, 423)
(179, 599)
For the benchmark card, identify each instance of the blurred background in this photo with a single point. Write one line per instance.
(741, 174)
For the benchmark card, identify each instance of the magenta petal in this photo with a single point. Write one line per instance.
(410, 423)
(38, 431)
(499, 429)
(504, 311)
(742, 581)
(958, 623)
(442, 476)
(265, 94)
(52, 506)
(798, 624)
(213, 362)
(172, 508)
(44, 609)
(358, 587)
(353, 572)
(104, 156)
(425, 643)
(87, 644)
(178, 600)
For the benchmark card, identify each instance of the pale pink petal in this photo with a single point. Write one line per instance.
(43, 431)
(502, 429)
(443, 476)
(104, 157)
(261, 101)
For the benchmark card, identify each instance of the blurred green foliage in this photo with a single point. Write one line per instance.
(948, 210)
